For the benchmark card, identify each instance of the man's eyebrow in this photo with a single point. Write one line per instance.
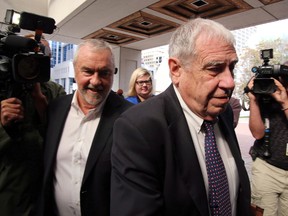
(98, 69)
(104, 68)
(215, 63)
(86, 68)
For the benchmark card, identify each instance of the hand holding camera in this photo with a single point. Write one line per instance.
(11, 111)
(280, 95)
(279, 92)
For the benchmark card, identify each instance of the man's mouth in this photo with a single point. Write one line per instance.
(224, 99)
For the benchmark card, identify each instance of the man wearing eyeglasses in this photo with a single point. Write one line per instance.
(140, 86)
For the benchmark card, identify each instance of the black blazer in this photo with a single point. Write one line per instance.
(95, 189)
(155, 169)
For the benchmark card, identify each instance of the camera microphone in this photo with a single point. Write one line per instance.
(19, 42)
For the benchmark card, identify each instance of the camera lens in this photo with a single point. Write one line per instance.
(28, 68)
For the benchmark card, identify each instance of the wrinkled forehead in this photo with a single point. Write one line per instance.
(103, 54)
(92, 51)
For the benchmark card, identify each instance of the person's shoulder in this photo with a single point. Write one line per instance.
(151, 114)
(234, 100)
(151, 107)
(51, 84)
(125, 102)
(115, 100)
(227, 115)
(132, 99)
(60, 101)
(53, 89)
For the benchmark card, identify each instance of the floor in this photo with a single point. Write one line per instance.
(245, 140)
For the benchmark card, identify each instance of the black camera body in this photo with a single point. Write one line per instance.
(22, 60)
(263, 83)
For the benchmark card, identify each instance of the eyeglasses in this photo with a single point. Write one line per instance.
(141, 82)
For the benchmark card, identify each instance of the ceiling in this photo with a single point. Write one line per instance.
(142, 24)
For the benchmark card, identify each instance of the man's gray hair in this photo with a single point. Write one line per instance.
(183, 41)
(95, 45)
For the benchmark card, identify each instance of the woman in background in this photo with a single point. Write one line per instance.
(140, 86)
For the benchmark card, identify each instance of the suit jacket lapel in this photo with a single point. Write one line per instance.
(103, 133)
(190, 169)
(187, 160)
(186, 156)
(53, 135)
(185, 153)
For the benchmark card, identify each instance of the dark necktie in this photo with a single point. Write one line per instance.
(219, 198)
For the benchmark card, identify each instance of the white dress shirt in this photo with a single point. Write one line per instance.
(73, 151)
(198, 136)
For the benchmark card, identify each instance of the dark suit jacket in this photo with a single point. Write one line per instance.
(155, 169)
(95, 189)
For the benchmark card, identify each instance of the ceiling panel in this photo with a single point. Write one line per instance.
(152, 25)
(142, 24)
(113, 37)
(211, 9)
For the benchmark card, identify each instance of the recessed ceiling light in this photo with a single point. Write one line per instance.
(199, 3)
(145, 23)
(112, 36)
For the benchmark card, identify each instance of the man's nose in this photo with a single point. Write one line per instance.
(95, 79)
(227, 80)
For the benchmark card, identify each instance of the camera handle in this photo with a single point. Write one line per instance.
(267, 152)
(245, 99)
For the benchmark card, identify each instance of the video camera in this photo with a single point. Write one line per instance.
(22, 60)
(263, 83)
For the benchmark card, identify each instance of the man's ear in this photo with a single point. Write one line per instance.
(174, 67)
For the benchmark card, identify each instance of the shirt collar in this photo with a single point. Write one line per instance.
(197, 121)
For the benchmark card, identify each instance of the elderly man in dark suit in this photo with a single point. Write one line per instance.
(77, 165)
(161, 161)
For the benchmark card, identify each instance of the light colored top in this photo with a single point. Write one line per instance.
(198, 136)
(73, 151)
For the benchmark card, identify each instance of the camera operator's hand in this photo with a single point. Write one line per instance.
(256, 124)
(40, 101)
(11, 111)
(280, 95)
(250, 94)
(37, 94)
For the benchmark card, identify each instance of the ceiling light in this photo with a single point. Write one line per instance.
(199, 3)
(112, 36)
(146, 23)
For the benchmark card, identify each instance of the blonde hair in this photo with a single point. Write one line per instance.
(139, 72)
